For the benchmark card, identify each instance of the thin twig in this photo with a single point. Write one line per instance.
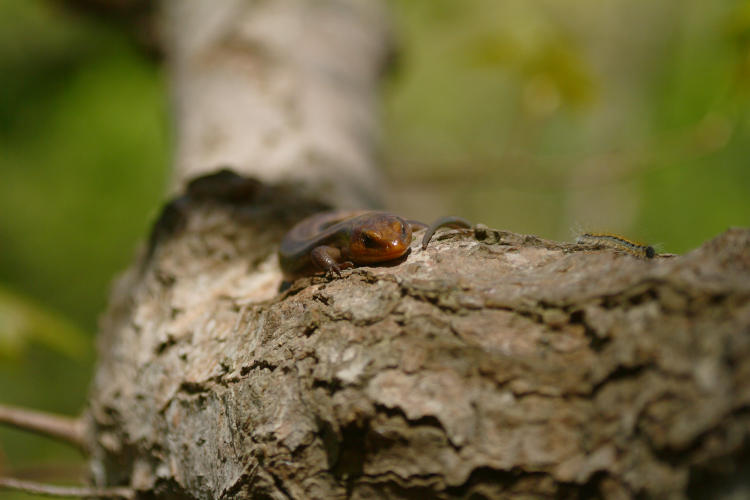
(47, 424)
(65, 491)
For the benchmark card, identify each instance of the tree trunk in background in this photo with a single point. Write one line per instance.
(492, 365)
(281, 90)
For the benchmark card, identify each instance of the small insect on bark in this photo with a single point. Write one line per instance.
(617, 242)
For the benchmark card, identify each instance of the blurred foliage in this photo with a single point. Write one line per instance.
(544, 116)
(531, 116)
(83, 152)
(23, 323)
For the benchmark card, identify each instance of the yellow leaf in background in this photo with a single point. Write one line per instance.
(24, 322)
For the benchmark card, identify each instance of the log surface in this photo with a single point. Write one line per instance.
(491, 365)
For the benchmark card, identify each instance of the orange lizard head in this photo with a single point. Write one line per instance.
(379, 237)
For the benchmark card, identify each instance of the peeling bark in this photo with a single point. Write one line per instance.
(491, 365)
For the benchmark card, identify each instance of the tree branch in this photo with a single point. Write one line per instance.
(283, 91)
(57, 427)
(64, 491)
(490, 364)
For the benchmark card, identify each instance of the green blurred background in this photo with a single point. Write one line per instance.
(538, 117)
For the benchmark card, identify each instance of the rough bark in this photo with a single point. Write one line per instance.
(491, 365)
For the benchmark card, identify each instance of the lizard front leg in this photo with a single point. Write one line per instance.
(329, 259)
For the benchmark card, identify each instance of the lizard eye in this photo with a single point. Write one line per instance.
(368, 241)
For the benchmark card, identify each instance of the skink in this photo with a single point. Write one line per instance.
(332, 241)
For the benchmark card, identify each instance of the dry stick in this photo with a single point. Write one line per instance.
(64, 491)
(55, 426)
(58, 427)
